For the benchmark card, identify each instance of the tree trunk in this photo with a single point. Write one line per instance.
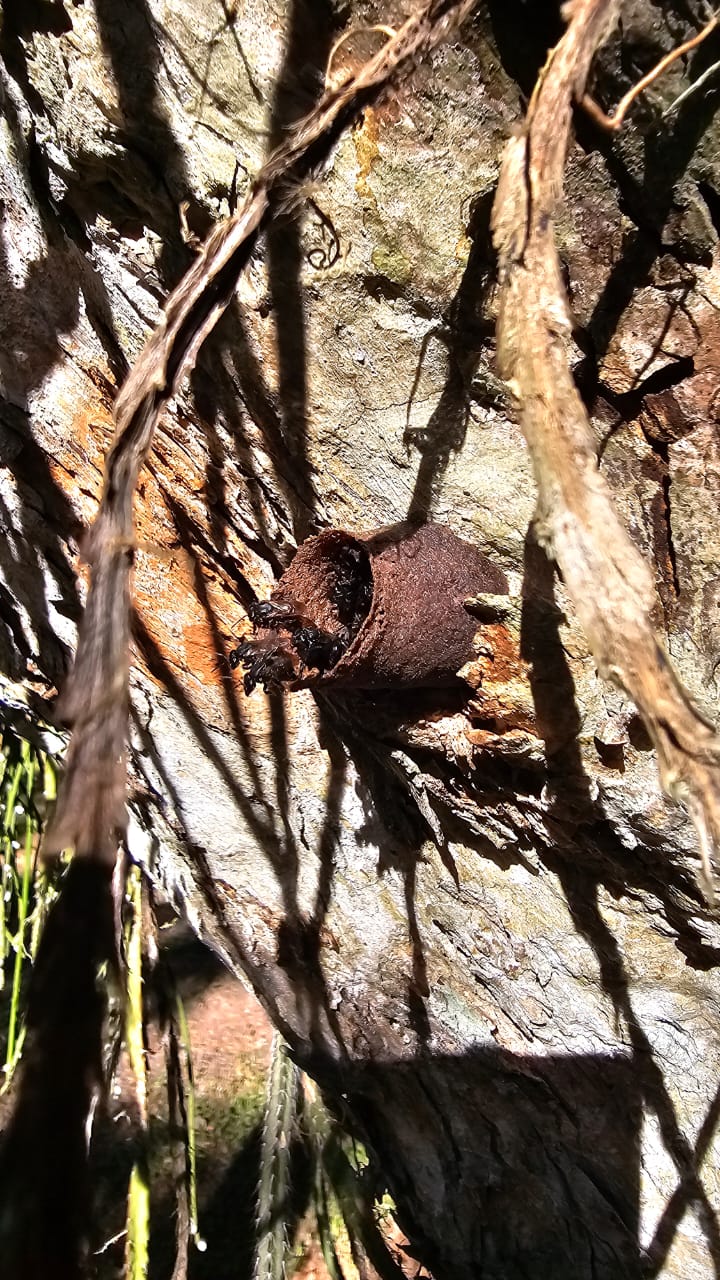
(477, 921)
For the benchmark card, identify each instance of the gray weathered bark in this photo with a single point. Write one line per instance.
(482, 927)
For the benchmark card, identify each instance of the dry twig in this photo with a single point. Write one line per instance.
(694, 88)
(609, 582)
(90, 815)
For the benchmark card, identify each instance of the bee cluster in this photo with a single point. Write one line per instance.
(271, 660)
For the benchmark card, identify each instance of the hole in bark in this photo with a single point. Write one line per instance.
(352, 590)
(336, 601)
(638, 734)
(611, 754)
(712, 200)
(541, 26)
(348, 588)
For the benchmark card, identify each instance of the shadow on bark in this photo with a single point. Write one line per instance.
(687, 1158)
(312, 25)
(577, 818)
(298, 945)
(34, 559)
(155, 163)
(668, 147)
(535, 1162)
(466, 331)
(229, 385)
(541, 24)
(553, 693)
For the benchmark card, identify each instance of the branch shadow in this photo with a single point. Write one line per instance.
(542, 26)
(158, 174)
(34, 558)
(312, 25)
(581, 896)
(534, 1161)
(226, 358)
(299, 934)
(393, 824)
(559, 725)
(36, 314)
(466, 333)
(228, 384)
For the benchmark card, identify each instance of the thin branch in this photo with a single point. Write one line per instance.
(610, 584)
(615, 120)
(692, 89)
(90, 815)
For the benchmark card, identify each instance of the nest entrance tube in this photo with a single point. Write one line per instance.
(330, 585)
(383, 609)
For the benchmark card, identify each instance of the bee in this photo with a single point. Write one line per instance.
(317, 648)
(240, 654)
(274, 615)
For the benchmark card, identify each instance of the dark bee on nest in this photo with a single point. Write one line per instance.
(352, 590)
(268, 664)
(317, 648)
(240, 654)
(274, 615)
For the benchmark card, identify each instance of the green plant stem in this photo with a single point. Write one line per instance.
(138, 1222)
(274, 1182)
(134, 1037)
(5, 883)
(45, 889)
(8, 831)
(190, 1125)
(11, 802)
(138, 1211)
(20, 953)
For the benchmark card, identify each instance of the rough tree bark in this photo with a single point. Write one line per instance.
(481, 926)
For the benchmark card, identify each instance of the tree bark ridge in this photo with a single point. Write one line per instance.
(477, 920)
(609, 582)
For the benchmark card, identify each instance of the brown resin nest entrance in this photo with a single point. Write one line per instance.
(383, 609)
